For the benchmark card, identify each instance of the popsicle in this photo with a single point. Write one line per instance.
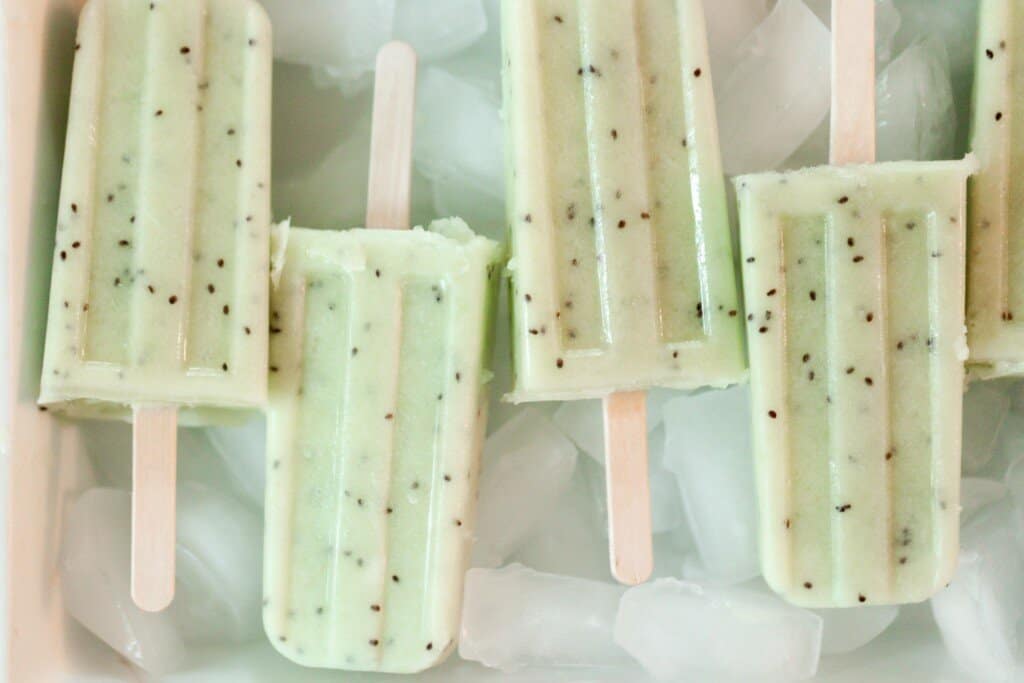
(379, 343)
(622, 270)
(854, 287)
(995, 266)
(158, 298)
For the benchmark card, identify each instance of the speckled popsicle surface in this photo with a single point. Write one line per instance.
(622, 264)
(379, 349)
(995, 261)
(854, 289)
(159, 289)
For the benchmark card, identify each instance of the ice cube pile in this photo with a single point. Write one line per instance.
(540, 604)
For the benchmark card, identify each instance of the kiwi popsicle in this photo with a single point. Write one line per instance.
(380, 340)
(159, 292)
(853, 278)
(159, 289)
(622, 272)
(376, 419)
(995, 267)
(854, 287)
(622, 267)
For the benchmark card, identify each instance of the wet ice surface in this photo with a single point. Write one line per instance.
(979, 613)
(515, 617)
(680, 630)
(95, 573)
(986, 406)
(528, 459)
(779, 82)
(708, 449)
(846, 630)
(916, 117)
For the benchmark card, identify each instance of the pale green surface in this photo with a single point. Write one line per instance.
(159, 290)
(379, 341)
(995, 279)
(622, 270)
(854, 290)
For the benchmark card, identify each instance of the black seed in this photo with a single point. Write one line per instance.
(990, 54)
(808, 585)
(999, 116)
(844, 199)
(173, 299)
(185, 50)
(772, 414)
(696, 73)
(560, 362)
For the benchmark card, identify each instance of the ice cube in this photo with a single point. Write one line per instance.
(887, 25)
(851, 628)
(583, 422)
(340, 36)
(109, 446)
(480, 64)
(95, 568)
(980, 611)
(671, 548)
(708, 449)
(955, 24)
(977, 493)
(459, 134)
(780, 83)
(481, 211)
(219, 567)
(683, 630)
(986, 405)
(666, 507)
(528, 466)
(569, 541)
(515, 617)
(439, 28)
(331, 194)
(309, 120)
(916, 117)
(243, 450)
(728, 23)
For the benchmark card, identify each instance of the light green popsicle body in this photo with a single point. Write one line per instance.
(379, 343)
(159, 289)
(995, 262)
(622, 269)
(854, 287)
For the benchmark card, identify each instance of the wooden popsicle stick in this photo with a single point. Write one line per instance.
(629, 500)
(853, 82)
(394, 100)
(154, 478)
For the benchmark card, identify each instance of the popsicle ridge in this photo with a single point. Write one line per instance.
(860, 526)
(617, 199)
(143, 313)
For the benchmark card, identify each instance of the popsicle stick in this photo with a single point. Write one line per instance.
(394, 100)
(154, 478)
(629, 501)
(853, 82)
